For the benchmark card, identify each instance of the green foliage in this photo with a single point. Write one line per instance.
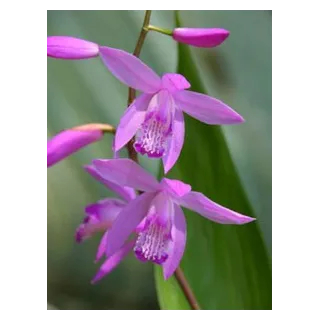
(227, 266)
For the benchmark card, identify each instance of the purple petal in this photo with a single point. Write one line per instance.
(179, 238)
(69, 141)
(175, 188)
(131, 121)
(100, 216)
(102, 247)
(105, 210)
(127, 220)
(175, 143)
(62, 47)
(126, 172)
(174, 82)
(125, 192)
(201, 37)
(87, 228)
(206, 109)
(199, 203)
(113, 261)
(130, 70)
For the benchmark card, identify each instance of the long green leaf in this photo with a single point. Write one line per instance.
(226, 265)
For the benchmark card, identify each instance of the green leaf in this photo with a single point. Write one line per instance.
(227, 266)
(169, 293)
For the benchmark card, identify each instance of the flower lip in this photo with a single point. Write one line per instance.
(153, 134)
(152, 242)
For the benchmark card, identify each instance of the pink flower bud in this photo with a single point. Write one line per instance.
(62, 47)
(200, 37)
(69, 141)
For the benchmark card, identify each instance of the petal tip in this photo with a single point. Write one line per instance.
(166, 169)
(79, 235)
(240, 119)
(246, 219)
(166, 277)
(166, 274)
(224, 34)
(97, 277)
(235, 118)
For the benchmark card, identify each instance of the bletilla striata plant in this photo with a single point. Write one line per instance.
(152, 125)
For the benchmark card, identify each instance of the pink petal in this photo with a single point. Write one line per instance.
(176, 188)
(179, 238)
(130, 70)
(102, 247)
(127, 220)
(206, 109)
(125, 192)
(100, 216)
(200, 37)
(105, 210)
(113, 261)
(174, 82)
(126, 172)
(199, 203)
(69, 141)
(131, 121)
(62, 47)
(175, 143)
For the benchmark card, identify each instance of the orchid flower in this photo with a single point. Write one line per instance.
(156, 116)
(155, 218)
(100, 215)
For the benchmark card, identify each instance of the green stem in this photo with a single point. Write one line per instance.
(132, 93)
(160, 30)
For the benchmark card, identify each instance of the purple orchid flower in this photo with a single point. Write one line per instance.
(156, 116)
(100, 215)
(154, 217)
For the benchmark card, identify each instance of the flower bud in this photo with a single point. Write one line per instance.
(69, 141)
(200, 37)
(63, 47)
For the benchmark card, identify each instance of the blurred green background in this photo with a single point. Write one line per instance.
(238, 72)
